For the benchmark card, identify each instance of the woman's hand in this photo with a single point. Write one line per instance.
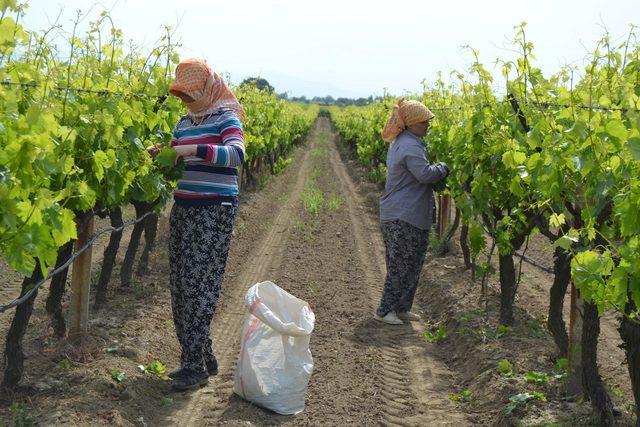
(154, 149)
(185, 150)
(446, 168)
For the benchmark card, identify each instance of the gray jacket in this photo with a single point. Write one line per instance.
(408, 194)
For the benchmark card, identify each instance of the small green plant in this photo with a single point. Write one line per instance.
(463, 396)
(535, 323)
(65, 364)
(537, 331)
(335, 202)
(489, 333)
(483, 268)
(312, 200)
(281, 165)
(261, 181)
(20, 417)
(313, 287)
(118, 376)
(539, 378)
(466, 317)
(505, 367)
(522, 399)
(154, 367)
(322, 138)
(439, 335)
(463, 332)
(618, 393)
(503, 330)
(498, 333)
(439, 245)
(313, 176)
(166, 401)
(319, 152)
(305, 229)
(560, 369)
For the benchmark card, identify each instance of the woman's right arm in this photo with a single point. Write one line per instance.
(419, 166)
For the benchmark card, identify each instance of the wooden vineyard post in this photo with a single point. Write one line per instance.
(80, 285)
(574, 381)
(444, 205)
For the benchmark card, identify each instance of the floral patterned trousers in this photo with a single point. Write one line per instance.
(406, 247)
(199, 239)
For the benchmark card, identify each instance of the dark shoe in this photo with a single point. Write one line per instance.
(212, 368)
(175, 373)
(186, 379)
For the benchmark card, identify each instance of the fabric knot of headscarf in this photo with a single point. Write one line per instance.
(405, 113)
(209, 91)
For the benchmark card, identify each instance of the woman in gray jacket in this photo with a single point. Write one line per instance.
(406, 208)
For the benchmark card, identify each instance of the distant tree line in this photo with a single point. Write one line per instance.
(330, 100)
(263, 84)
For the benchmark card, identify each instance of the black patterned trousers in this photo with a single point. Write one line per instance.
(406, 247)
(199, 239)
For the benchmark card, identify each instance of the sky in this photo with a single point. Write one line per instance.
(357, 48)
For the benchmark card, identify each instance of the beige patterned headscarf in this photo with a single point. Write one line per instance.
(208, 90)
(405, 113)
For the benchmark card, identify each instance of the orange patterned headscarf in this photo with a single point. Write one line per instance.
(208, 90)
(405, 113)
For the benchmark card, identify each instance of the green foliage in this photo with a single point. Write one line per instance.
(65, 364)
(569, 160)
(334, 202)
(505, 367)
(155, 367)
(439, 336)
(312, 200)
(438, 245)
(522, 399)
(19, 416)
(560, 369)
(74, 139)
(118, 376)
(537, 331)
(499, 332)
(464, 396)
(281, 165)
(539, 378)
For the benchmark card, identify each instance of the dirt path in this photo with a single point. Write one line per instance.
(308, 231)
(366, 373)
(422, 397)
(314, 231)
(266, 257)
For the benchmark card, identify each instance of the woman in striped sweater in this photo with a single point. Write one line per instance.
(210, 140)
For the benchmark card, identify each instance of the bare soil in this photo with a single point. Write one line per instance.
(313, 230)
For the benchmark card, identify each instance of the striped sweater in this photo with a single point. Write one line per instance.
(210, 177)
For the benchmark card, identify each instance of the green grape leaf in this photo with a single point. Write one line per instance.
(633, 144)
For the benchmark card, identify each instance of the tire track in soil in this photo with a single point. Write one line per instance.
(415, 384)
(207, 405)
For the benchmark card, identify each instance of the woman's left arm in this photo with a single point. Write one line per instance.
(231, 153)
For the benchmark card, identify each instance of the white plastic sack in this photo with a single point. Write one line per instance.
(275, 362)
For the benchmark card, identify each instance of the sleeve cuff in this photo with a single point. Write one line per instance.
(202, 151)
